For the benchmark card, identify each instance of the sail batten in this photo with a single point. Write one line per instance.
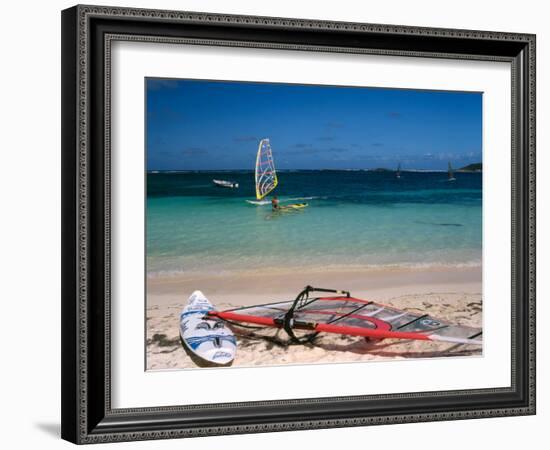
(265, 174)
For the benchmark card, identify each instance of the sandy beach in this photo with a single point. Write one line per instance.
(449, 293)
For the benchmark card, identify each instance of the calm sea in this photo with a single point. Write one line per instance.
(358, 218)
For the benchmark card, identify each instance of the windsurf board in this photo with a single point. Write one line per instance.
(208, 340)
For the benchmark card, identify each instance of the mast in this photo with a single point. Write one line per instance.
(450, 171)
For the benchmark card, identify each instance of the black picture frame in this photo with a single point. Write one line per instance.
(87, 415)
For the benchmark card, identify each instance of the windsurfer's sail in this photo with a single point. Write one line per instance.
(344, 314)
(398, 171)
(265, 174)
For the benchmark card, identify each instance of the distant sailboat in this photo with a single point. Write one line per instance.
(451, 175)
(398, 171)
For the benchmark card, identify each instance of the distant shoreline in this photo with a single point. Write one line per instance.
(377, 170)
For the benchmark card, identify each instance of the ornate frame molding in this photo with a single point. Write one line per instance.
(84, 421)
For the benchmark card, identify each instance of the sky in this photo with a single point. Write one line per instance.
(217, 125)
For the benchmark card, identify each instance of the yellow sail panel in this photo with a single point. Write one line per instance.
(265, 174)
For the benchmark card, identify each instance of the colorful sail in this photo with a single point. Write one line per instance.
(265, 174)
(346, 315)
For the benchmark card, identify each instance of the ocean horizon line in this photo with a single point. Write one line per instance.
(379, 169)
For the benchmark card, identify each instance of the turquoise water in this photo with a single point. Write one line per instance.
(353, 218)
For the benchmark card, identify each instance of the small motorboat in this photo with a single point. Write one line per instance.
(226, 184)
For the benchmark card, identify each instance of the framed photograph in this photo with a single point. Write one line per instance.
(267, 221)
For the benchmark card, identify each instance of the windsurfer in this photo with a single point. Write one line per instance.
(274, 203)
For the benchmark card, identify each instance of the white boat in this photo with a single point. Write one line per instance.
(226, 184)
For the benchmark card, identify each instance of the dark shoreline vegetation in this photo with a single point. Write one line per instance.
(477, 167)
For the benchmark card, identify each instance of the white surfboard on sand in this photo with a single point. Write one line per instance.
(208, 340)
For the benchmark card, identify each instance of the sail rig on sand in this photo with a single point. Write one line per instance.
(340, 313)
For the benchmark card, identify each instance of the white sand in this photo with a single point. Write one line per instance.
(452, 294)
